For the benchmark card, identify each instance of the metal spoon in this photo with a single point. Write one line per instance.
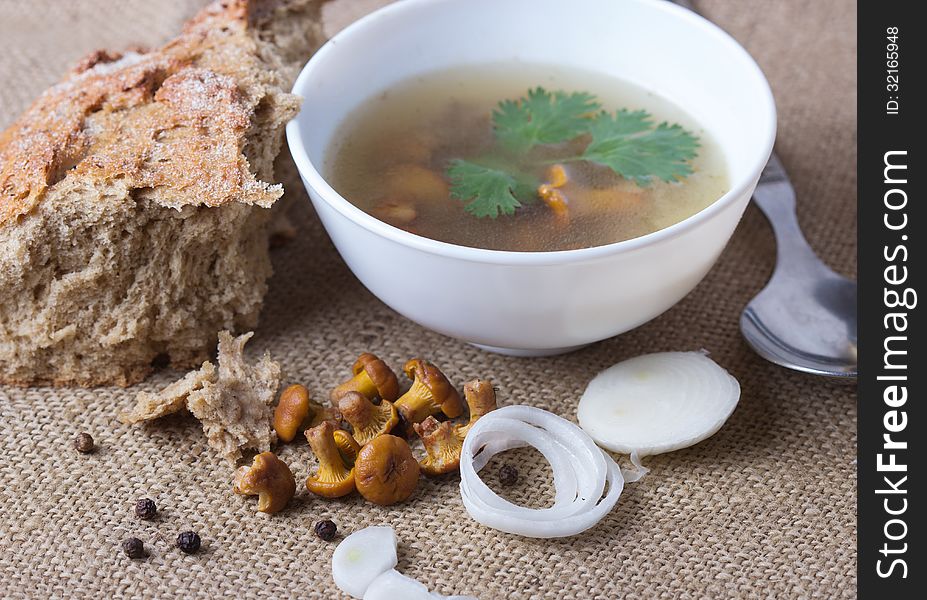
(805, 317)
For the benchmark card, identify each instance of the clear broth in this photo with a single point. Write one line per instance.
(394, 150)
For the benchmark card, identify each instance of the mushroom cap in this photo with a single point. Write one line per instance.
(380, 374)
(441, 445)
(268, 477)
(335, 488)
(385, 471)
(366, 418)
(443, 394)
(292, 409)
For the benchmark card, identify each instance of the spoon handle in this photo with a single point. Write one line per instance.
(775, 196)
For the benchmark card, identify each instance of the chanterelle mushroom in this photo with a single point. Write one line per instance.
(292, 409)
(348, 447)
(270, 479)
(366, 418)
(430, 393)
(296, 411)
(334, 478)
(372, 378)
(481, 399)
(441, 445)
(385, 471)
(396, 213)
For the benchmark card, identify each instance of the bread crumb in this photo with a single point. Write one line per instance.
(171, 399)
(233, 402)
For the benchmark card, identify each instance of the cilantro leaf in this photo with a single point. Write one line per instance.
(542, 118)
(487, 191)
(628, 144)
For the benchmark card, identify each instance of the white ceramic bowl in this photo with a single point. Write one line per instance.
(536, 303)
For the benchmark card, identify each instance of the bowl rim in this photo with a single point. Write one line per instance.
(314, 179)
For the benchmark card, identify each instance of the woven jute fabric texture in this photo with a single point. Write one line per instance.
(764, 509)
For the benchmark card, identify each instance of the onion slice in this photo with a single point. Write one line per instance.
(657, 403)
(362, 557)
(587, 480)
(363, 566)
(393, 585)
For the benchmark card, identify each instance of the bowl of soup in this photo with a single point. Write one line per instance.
(531, 176)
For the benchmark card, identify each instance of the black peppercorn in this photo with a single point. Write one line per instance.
(133, 548)
(188, 541)
(83, 443)
(146, 509)
(508, 475)
(326, 530)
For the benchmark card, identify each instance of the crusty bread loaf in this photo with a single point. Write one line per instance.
(134, 202)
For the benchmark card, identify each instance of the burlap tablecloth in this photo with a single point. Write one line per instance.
(765, 508)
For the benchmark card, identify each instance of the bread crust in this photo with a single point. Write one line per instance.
(117, 182)
(174, 118)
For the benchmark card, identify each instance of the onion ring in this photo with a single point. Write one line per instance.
(582, 472)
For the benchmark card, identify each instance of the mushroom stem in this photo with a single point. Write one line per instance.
(360, 383)
(552, 196)
(557, 176)
(415, 405)
(319, 413)
(372, 378)
(481, 399)
(333, 479)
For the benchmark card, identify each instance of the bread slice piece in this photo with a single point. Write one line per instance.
(134, 198)
(234, 403)
(236, 409)
(172, 399)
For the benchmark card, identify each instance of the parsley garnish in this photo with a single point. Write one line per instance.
(488, 191)
(627, 142)
(542, 118)
(629, 145)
